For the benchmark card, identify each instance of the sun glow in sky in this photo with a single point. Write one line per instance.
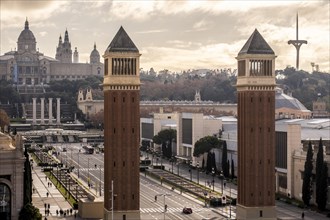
(174, 35)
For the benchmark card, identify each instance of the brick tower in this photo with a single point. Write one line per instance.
(121, 87)
(256, 130)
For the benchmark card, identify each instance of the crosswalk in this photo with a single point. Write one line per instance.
(169, 209)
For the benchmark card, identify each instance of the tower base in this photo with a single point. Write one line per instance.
(122, 215)
(263, 212)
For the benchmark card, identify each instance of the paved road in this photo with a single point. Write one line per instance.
(150, 210)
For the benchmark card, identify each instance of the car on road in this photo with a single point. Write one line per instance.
(187, 210)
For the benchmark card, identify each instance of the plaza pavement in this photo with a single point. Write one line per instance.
(54, 198)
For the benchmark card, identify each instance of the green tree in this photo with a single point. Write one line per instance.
(224, 159)
(232, 169)
(307, 180)
(165, 138)
(27, 179)
(29, 212)
(205, 144)
(322, 201)
(318, 170)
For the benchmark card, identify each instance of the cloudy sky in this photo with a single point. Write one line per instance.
(175, 34)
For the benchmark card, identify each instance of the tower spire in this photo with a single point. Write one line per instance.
(297, 43)
(26, 24)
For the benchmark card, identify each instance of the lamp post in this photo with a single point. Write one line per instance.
(88, 172)
(77, 192)
(213, 174)
(230, 201)
(221, 177)
(172, 163)
(100, 181)
(161, 159)
(197, 172)
(190, 175)
(68, 175)
(165, 206)
(78, 163)
(178, 168)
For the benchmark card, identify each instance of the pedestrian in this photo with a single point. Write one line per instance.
(47, 194)
(56, 212)
(155, 198)
(48, 206)
(303, 215)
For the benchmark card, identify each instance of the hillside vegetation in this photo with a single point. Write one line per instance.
(218, 86)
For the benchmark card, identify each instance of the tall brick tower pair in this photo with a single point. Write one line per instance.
(121, 87)
(256, 130)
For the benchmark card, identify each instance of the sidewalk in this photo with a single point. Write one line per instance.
(54, 198)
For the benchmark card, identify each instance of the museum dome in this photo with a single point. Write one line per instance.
(26, 40)
(26, 34)
(95, 55)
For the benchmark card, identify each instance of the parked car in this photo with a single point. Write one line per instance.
(187, 210)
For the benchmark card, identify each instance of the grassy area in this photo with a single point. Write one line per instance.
(61, 188)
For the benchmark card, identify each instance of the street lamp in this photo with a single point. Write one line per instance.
(221, 177)
(88, 172)
(78, 163)
(197, 172)
(213, 174)
(100, 181)
(172, 162)
(161, 159)
(165, 206)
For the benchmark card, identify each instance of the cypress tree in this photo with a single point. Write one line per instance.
(318, 170)
(306, 187)
(27, 179)
(224, 159)
(322, 201)
(232, 169)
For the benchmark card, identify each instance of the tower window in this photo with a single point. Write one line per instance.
(132, 130)
(114, 99)
(251, 100)
(114, 164)
(132, 99)
(105, 67)
(123, 163)
(114, 130)
(241, 68)
(123, 99)
(133, 196)
(260, 213)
